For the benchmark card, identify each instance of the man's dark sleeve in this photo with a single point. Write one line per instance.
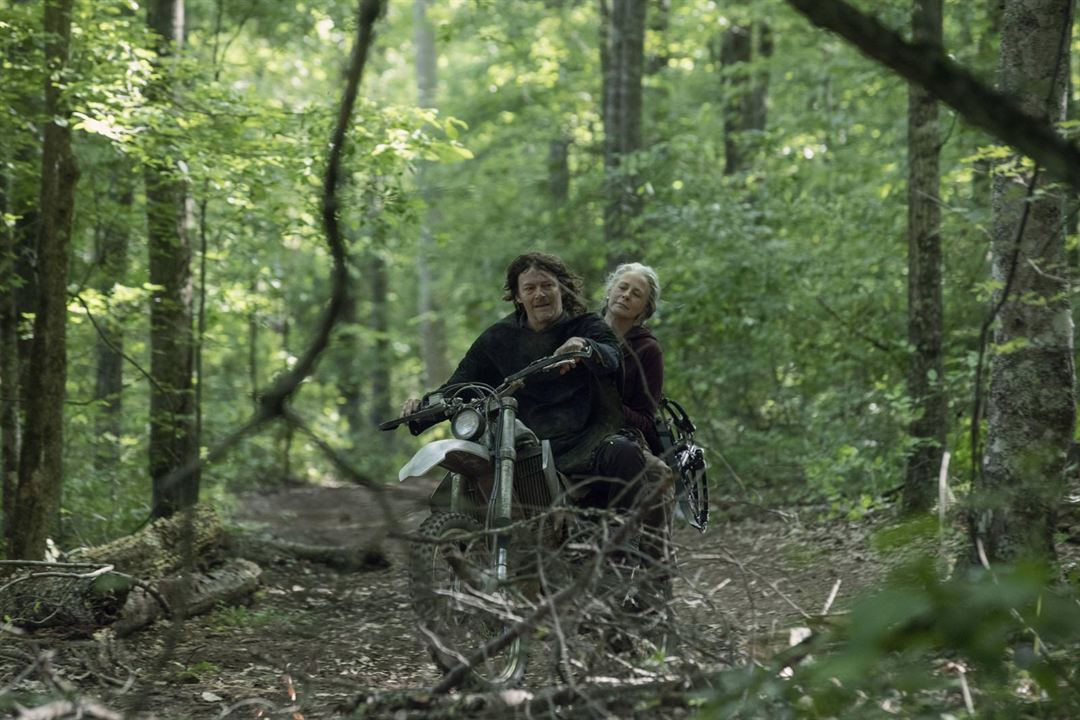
(476, 366)
(606, 355)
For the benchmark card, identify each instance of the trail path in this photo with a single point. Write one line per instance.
(313, 639)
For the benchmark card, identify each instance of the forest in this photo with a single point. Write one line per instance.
(237, 235)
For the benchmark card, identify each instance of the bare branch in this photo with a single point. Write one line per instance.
(932, 69)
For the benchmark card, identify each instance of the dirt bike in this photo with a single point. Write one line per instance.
(477, 555)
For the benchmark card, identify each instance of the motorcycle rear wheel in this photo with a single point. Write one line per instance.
(458, 604)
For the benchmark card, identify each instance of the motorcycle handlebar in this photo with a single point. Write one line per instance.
(439, 410)
(435, 412)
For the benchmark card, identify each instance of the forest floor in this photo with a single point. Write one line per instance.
(313, 640)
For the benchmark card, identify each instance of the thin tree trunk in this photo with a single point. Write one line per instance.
(622, 59)
(759, 94)
(112, 261)
(925, 312)
(736, 51)
(432, 330)
(287, 428)
(41, 454)
(172, 408)
(9, 368)
(350, 364)
(1031, 409)
(380, 359)
(253, 349)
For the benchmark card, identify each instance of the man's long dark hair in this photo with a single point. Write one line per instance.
(569, 284)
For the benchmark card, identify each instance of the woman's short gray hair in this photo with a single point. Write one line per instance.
(650, 277)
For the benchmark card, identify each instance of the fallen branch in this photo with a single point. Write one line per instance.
(266, 549)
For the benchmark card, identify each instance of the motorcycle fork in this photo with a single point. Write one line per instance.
(502, 494)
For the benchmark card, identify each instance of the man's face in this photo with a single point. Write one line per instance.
(538, 292)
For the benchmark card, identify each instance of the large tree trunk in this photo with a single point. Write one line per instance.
(20, 153)
(41, 455)
(1031, 409)
(432, 330)
(622, 59)
(925, 313)
(173, 443)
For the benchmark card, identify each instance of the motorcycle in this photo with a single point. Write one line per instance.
(476, 559)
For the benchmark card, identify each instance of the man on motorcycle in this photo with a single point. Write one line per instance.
(580, 411)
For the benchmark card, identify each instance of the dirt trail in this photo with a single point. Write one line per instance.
(313, 639)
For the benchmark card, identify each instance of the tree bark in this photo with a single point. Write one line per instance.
(18, 275)
(158, 549)
(112, 260)
(83, 604)
(349, 364)
(173, 443)
(745, 90)
(1031, 410)
(736, 47)
(432, 330)
(9, 368)
(190, 594)
(41, 454)
(925, 309)
(622, 59)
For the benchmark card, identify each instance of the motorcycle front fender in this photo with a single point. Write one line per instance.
(460, 456)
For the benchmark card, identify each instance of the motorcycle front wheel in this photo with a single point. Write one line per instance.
(459, 605)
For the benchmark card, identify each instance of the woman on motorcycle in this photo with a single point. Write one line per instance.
(630, 298)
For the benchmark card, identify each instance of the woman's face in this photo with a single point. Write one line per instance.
(628, 296)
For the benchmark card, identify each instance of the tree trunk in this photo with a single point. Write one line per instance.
(559, 171)
(172, 438)
(112, 261)
(349, 364)
(622, 59)
(432, 330)
(41, 455)
(925, 313)
(1031, 409)
(9, 367)
(762, 50)
(18, 276)
(745, 89)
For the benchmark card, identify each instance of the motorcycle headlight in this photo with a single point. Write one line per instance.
(467, 424)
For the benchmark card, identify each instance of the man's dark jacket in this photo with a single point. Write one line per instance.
(575, 411)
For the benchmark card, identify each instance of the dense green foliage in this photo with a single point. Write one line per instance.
(784, 287)
(784, 300)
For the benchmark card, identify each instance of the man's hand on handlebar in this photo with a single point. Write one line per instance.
(574, 344)
(409, 407)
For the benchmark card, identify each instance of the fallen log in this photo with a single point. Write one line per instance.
(189, 595)
(159, 548)
(82, 603)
